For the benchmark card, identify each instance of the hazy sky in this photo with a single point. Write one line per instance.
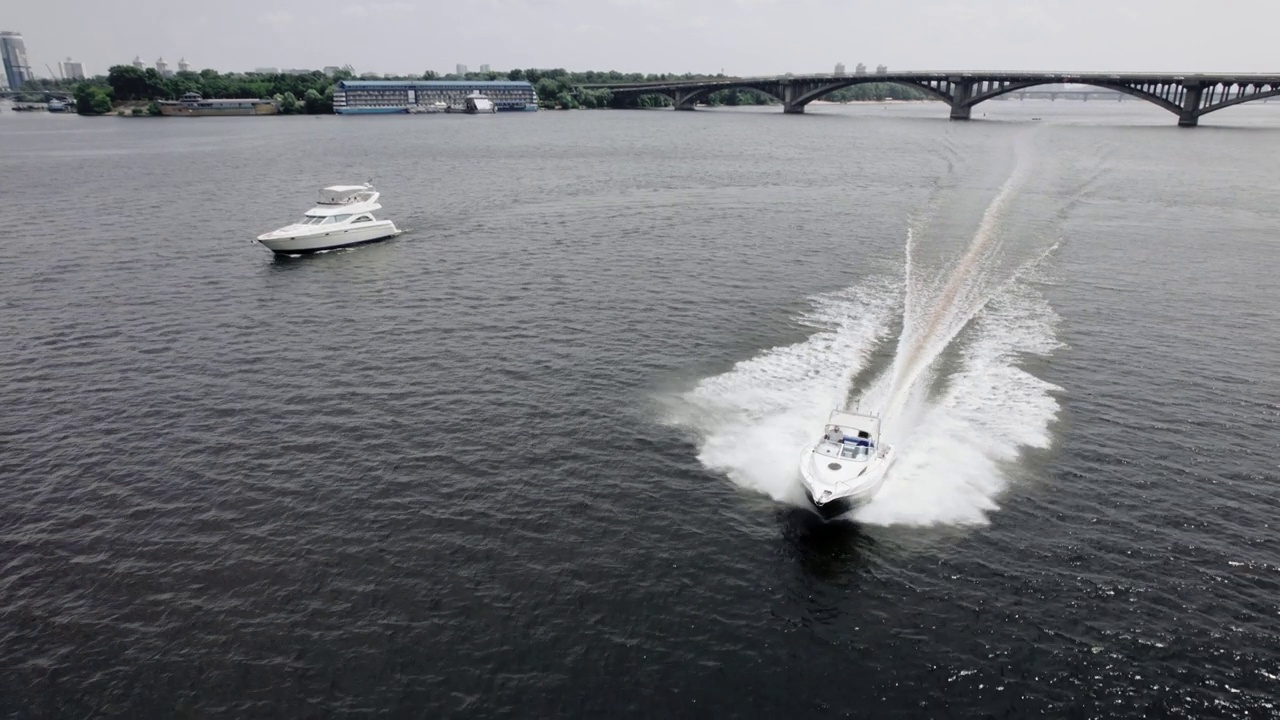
(742, 37)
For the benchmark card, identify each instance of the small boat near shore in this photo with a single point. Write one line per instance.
(193, 105)
(473, 104)
(343, 217)
(846, 468)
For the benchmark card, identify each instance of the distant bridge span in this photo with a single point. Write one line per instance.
(1186, 95)
(47, 94)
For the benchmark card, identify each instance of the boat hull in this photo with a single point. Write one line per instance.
(349, 237)
(832, 509)
(832, 496)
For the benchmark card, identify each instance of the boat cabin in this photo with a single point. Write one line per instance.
(353, 218)
(343, 205)
(849, 436)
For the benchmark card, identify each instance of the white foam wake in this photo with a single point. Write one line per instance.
(954, 448)
(754, 419)
(955, 454)
(936, 310)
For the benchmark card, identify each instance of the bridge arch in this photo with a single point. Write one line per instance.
(1241, 97)
(686, 98)
(1167, 96)
(692, 98)
(809, 96)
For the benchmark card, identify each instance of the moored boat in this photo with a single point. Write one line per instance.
(193, 105)
(473, 104)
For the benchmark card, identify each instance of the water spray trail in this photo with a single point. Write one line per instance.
(923, 339)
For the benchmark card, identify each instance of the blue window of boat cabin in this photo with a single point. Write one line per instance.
(855, 452)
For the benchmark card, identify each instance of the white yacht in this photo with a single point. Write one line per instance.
(474, 104)
(847, 466)
(343, 217)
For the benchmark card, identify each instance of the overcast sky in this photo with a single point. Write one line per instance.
(740, 37)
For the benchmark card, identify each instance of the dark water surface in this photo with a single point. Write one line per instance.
(536, 457)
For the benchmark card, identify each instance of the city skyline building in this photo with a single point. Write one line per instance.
(162, 67)
(183, 65)
(137, 62)
(484, 68)
(461, 69)
(72, 70)
(13, 53)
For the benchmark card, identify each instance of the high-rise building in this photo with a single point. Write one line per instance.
(839, 69)
(17, 71)
(484, 68)
(137, 62)
(461, 69)
(860, 69)
(183, 65)
(162, 67)
(72, 70)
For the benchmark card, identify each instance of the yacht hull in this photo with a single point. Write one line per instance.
(333, 240)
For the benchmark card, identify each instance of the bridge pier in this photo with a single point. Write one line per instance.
(687, 100)
(1190, 115)
(962, 90)
(789, 105)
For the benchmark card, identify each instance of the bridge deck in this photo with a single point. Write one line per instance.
(1188, 95)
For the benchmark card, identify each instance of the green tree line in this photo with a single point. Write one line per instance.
(310, 93)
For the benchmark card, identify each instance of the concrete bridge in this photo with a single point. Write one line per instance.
(47, 94)
(1188, 96)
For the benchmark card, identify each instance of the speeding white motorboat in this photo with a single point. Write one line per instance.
(847, 466)
(343, 217)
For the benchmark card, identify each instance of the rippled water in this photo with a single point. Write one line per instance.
(537, 456)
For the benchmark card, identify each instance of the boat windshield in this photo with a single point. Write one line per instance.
(849, 449)
(855, 452)
(324, 220)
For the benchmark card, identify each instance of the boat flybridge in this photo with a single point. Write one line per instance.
(343, 217)
(847, 466)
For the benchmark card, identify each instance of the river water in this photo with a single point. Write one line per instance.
(537, 456)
